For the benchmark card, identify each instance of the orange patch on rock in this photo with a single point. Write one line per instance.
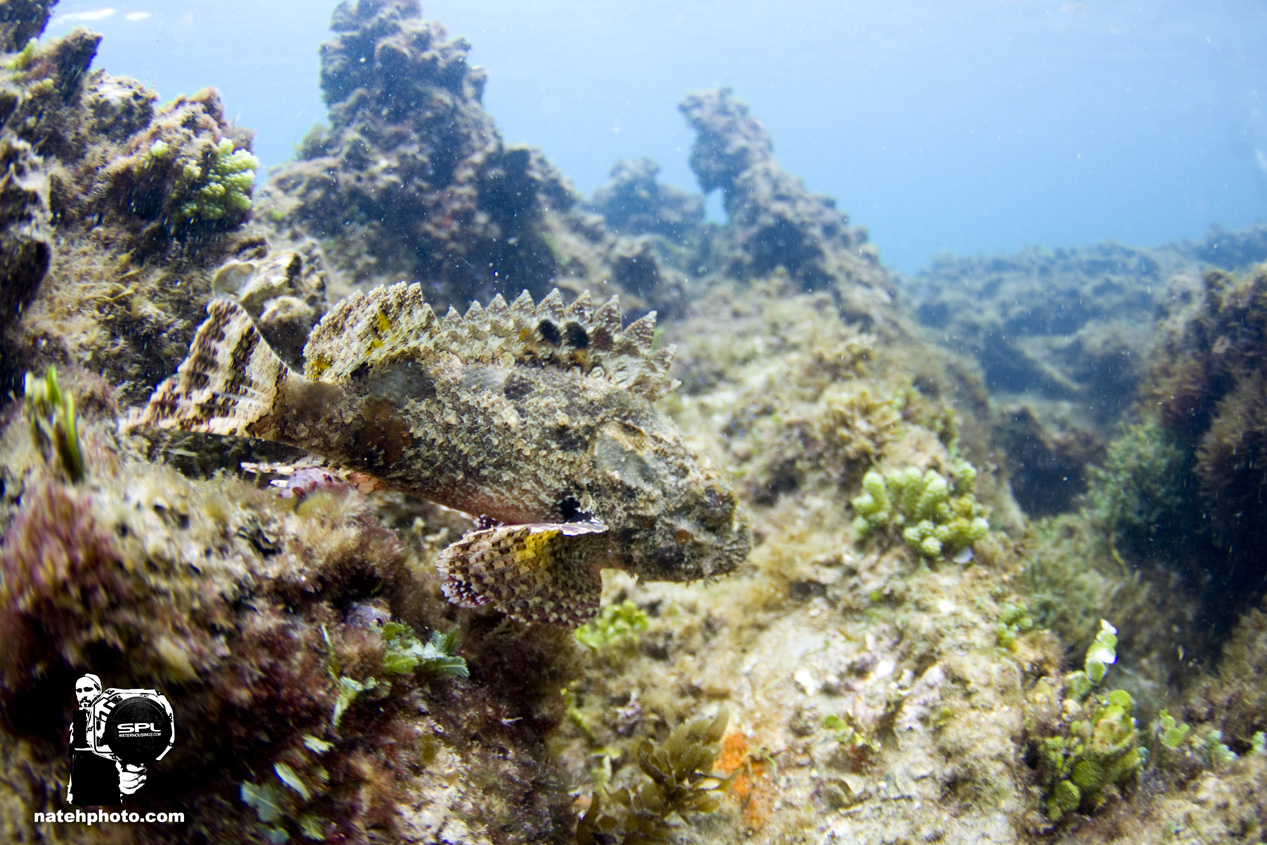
(751, 785)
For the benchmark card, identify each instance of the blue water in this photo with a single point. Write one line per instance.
(974, 126)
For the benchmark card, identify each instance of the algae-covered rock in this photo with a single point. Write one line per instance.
(187, 170)
(1061, 324)
(410, 179)
(141, 200)
(1209, 392)
(256, 617)
(415, 166)
(633, 202)
(1064, 337)
(22, 20)
(26, 247)
(775, 221)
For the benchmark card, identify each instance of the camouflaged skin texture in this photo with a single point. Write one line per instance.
(537, 417)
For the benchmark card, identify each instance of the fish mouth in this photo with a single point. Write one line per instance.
(716, 554)
(734, 550)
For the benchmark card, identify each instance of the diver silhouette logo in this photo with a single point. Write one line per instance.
(114, 735)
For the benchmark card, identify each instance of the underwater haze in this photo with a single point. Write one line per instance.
(918, 499)
(977, 126)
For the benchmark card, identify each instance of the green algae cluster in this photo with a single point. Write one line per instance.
(1139, 490)
(1014, 620)
(216, 189)
(936, 516)
(616, 627)
(24, 58)
(848, 733)
(1177, 738)
(1099, 750)
(405, 652)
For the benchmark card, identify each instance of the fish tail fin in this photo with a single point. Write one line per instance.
(230, 384)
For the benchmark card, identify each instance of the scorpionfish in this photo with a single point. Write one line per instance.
(536, 419)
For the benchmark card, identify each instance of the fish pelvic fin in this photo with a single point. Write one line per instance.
(230, 383)
(539, 572)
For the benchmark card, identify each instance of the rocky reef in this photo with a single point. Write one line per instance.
(22, 20)
(265, 621)
(1207, 389)
(774, 221)
(1169, 517)
(410, 178)
(1067, 324)
(1063, 338)
(634, 203)
(909, 654)
(118, 210)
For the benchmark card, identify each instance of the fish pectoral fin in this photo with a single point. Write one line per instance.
(539, 572)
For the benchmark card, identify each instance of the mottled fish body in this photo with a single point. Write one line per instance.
(537, 417)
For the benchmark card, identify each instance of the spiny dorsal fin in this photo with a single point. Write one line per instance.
(394, 322)
(354, 330)
(579, 310)
(552, 306)
(497, 308)
(229, 384)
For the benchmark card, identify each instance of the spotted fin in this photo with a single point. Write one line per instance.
(229, 384)
(394, 322)
(539, 572)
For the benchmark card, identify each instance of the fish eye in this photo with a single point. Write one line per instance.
(570, 510)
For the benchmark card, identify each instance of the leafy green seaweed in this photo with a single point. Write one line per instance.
(405, 652)
(54, 425)
(678, 780)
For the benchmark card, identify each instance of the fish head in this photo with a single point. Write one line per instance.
(670, 515)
